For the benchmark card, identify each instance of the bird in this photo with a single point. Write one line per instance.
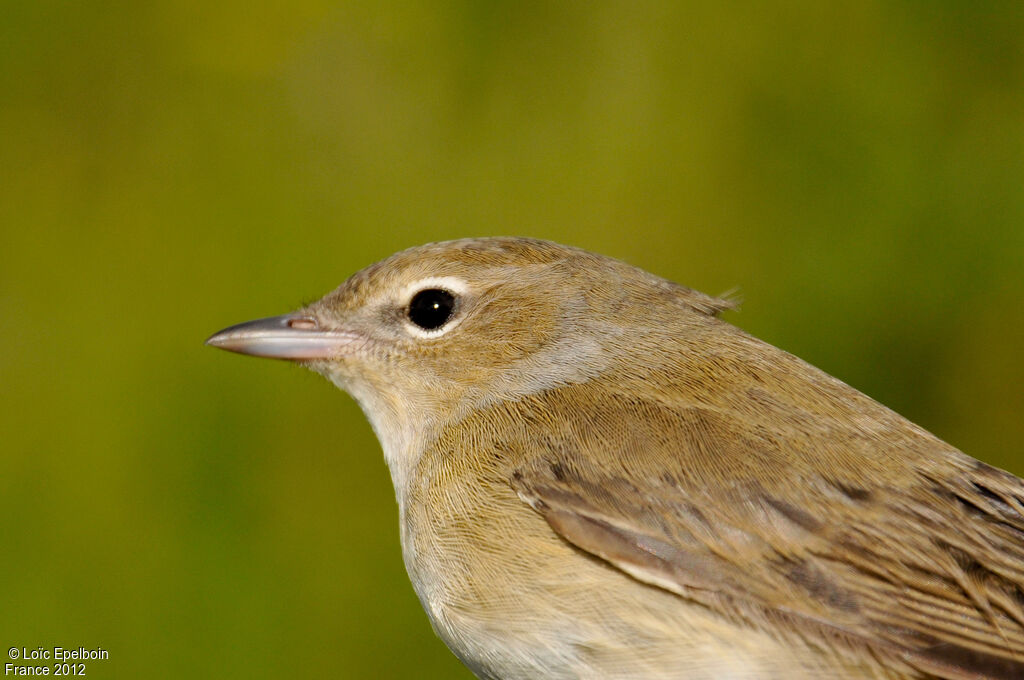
(598, 477)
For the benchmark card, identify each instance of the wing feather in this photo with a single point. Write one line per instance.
(925, 565)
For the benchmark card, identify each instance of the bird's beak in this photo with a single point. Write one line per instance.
(296, 337)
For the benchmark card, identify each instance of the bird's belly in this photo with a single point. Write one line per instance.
(564, 648)
(595, 623)
(513, 600)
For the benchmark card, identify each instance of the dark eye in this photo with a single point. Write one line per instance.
(431, 308)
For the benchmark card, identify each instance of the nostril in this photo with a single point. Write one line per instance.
(303, 323)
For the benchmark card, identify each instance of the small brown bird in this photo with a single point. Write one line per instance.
(598, 478)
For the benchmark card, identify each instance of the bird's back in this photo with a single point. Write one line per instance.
(694, 512)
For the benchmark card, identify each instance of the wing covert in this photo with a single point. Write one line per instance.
(910, 565)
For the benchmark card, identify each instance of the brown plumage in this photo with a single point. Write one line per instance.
(598, 478)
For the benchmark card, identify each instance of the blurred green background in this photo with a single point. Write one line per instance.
(168, 168)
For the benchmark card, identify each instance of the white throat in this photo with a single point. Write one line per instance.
(403, 432)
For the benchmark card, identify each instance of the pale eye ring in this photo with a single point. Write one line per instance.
(431, 308)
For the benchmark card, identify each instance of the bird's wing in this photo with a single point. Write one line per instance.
(925, 565)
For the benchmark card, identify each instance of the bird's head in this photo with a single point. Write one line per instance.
(432, 333)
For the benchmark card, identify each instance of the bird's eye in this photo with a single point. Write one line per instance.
(431, 308)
